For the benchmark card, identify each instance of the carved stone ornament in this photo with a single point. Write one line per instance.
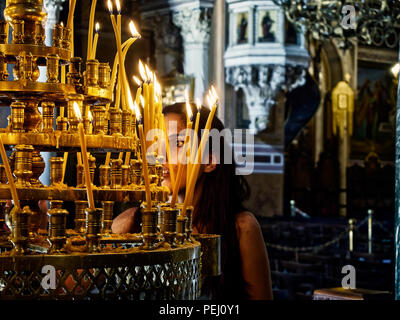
(261, 86)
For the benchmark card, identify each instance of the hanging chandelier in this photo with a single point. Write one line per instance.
(371, 22)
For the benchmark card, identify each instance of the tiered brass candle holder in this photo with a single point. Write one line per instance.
(100, 263)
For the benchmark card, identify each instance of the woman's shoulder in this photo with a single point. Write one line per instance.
(246, 222)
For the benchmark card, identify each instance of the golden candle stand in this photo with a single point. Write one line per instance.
(164, 261)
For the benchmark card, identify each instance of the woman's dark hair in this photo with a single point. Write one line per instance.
(221, 200)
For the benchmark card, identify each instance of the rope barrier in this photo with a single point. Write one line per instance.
(319, 247)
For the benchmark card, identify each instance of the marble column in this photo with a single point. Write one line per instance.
(218, 54)
(195, 25)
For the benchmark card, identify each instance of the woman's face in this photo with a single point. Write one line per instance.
(175, 127)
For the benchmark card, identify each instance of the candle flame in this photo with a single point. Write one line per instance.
(133, 29)
(118, 5)
(198, 103)
(110, 6)
(149, 74)
(157, 87)
(142, 71)
(212, 97)
(62, 24)
(133, 105)
(77, 111)
(142, 100)
(188, 108)
(137, 111)
(97, 27)
(137, 80)
(90, 117)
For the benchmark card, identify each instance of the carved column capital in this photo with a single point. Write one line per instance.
(261, 85)
(195, 24)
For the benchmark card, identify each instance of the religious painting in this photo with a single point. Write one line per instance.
(267, 26)
(242, 27)
(375, 112)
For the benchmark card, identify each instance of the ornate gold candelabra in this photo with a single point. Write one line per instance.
(162, 261)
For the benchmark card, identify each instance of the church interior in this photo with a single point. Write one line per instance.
(310, 88)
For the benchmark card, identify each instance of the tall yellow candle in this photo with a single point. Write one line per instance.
(90, 32)
(199, 155)
(10, 177)
(96, 39)
(179, 177)
(168, 153)
(82, 140)
(64, 166)
(71, 11)
(145, 168)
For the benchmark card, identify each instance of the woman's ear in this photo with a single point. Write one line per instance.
(212, 164)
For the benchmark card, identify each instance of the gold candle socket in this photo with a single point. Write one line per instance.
(3, 175)
(72, 117)
(39, 34)
(92, 167)
(80, 216)
(62, 123)
(56, 170)
(181, 229)
(52, 68)
(136, 172)
(105, 176)
(115, 121)
(57, 224)
(74, 75)
(170, 216)
(99, 120)
(107, 216)
(58, 35)
(18, 31)
(80, 176)
(116, 173)
(149, 228)
(3, 67)
(23, 164)
(125, 171)
(56, 204)
(92, 72)
(66, 38)
(17, 116)
(94, 219)
(104, 75)
(126, 122)
(38, 166)
(20, 221)
(3, 31)
(48, 115)
(189, 230)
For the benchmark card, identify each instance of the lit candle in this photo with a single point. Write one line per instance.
(168, 153)
(82, 139)
(96, 39)
(199, 154)
(143, 74)
(10, 177)
(133, 106)
(90, 32)
(179, 176)
(189, 115)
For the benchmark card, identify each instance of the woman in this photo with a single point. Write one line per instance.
(218, 209)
